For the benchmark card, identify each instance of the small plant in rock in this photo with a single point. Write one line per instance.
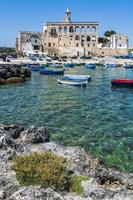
(75, 184)
(45, 169)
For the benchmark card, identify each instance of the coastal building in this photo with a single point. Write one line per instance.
(29, 43)
(68, 38)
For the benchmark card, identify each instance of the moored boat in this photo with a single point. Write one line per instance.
(111, 65)
(128, 66)
(34, 68)
(56, 65)
(122, 82)
(70, 65)
(67, 81)
(90, 65)
(46, 71)
(78, 77)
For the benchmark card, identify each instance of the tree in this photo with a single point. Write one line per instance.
(109, 33)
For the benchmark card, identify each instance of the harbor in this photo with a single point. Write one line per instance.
(66, 100)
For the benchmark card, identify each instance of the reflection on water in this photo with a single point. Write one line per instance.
(98, 118)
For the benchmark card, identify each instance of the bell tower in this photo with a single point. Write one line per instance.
(67, 17)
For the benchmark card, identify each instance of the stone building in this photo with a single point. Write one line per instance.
(70, 38)
(29, 43)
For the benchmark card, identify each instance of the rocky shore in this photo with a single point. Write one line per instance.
(13, 74)
(103, 183)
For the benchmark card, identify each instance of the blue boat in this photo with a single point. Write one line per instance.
(34, 68)
(78, 77)
(70, 65)
(46, 71)
(128, 66)
(113, 65)
(90, 66)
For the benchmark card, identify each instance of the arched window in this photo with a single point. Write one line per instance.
(65, 29)
(49, 44)
(83, 38)
(60, 29)
(77, 29)
(71, 29)
(88, 29)
(93, 29)
(88, 39)
(93, 38)
(77, 37)
(83, 29)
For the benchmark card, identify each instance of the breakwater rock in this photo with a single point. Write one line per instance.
(13, 74)
(103, 183)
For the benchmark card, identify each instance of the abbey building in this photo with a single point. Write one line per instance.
(68, 38)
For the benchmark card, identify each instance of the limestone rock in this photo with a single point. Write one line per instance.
(36, 135)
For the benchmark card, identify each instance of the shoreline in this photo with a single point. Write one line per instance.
(104, 183)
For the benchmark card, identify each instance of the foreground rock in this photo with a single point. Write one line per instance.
(103, 183)
(13, 74)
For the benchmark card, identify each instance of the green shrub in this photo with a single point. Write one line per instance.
(45, 168)
(75, 184)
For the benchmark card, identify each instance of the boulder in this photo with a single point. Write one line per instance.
(35, 135)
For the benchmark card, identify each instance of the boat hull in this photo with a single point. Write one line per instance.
(72, 83)
(122, 83)
(78, 77)
(90, 66)
(51, 72)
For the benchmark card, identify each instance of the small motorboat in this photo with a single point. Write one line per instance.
(69, 65)
(46, 71)
(122, 82)
(67, 81)
(34, 68)
(90, 65)
(56, 65)
(111, 65)
(78, 77)
(128, 66)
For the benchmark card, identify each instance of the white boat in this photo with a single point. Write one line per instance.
(78, 77)
(67, 81)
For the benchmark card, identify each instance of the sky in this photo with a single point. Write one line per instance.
(30, 15)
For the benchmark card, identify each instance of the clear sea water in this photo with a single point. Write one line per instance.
(98, 117)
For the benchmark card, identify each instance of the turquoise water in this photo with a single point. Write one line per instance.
(98, 118)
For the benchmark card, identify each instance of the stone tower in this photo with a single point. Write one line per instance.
(67, 17)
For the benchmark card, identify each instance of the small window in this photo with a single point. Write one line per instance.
(49, 44)
(88, 45)
(35, 41)
(77, 44)
(94, 45)
(54, 44)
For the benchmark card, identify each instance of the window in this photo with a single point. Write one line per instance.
(88, 45)
(36, 47)
(65, 29)
(94, 45)
(77, 44)
(53, 31)
(77, 38)
(94, 39)
(71, 30)
(54, 44)
(88, 39)
(35, 41)
(49, 44)
(77, 29)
